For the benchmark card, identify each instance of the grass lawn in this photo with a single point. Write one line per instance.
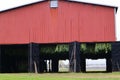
(61, 76)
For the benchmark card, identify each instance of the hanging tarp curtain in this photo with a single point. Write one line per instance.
(116, 56)
(74, 57)
(34, 58)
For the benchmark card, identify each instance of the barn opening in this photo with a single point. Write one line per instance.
(14, 58)
(96, 51)
(51, 55)
(32, 57)
(95, 64)
(64, 65)
(36, 57)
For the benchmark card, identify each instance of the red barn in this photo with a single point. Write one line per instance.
(57, 21)
(69, 21)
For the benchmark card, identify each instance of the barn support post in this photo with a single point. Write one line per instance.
(116, 56)
(34, 58)
(74, 57)
(30, 60)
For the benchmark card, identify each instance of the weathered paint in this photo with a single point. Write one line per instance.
(69, 22)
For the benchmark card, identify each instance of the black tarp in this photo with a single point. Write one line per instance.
(116, 56)
(14, 58)
(55, 65)
(34, 58)
(74, 57)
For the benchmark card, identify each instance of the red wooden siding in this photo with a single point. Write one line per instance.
(69, 22)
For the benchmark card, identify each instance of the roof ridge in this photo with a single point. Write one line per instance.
(66, 0)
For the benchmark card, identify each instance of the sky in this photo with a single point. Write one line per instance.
(6, 4)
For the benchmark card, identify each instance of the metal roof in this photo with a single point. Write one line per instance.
(93, 3)
(81, 1)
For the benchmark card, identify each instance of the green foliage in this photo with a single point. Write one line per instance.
(60, 48)
(48, 49)
(95, 49)
(102, 47)
(85, 48)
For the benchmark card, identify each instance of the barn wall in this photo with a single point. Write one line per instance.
(69, 22)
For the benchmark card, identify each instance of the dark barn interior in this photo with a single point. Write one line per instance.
(14, 58)
(32, 57)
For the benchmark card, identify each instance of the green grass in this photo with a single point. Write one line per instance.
(62, 76)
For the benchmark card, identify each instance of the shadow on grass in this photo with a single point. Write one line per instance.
(79, 72)
(97, 72)
(55, 72)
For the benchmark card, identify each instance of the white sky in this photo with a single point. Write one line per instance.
(6, 4)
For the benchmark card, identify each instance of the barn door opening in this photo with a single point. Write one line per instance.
(92, 53)
(64, 65)
(52, 54)
(14, 58)
(95, 64)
